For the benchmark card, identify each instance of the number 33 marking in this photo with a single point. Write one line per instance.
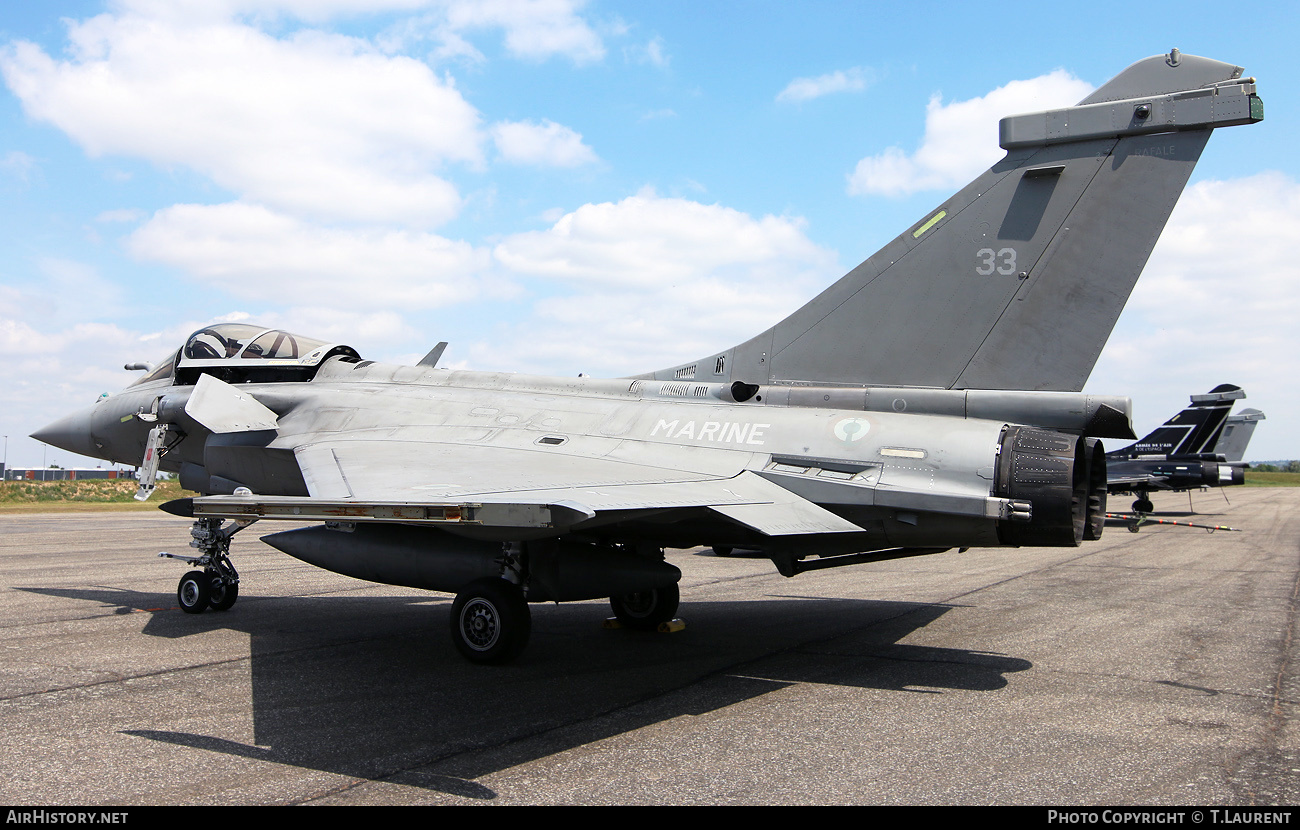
(1003, 261)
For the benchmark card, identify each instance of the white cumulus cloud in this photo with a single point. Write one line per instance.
(1216, 304)
(547, 143)
(532, 29)
(313, 123)
(535, 29)
(643, 276)
(961, 137)
(841, 80)
(253, 252)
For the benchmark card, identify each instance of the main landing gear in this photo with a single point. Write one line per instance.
(1143, 504)
(490, 621)
(216, 586)
(646, 610)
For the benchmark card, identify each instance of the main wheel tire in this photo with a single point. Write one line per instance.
(1143, 506)
(645, 610)
(220, 595)
(194, 592)
(490, 621)
(723, 550)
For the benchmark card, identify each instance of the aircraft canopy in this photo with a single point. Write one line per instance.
(242, 352)
(240, 342)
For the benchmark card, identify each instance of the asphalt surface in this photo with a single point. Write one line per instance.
(1150, 668)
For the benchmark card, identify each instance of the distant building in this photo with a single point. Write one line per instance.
(55, 474)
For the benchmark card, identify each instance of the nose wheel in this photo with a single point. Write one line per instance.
(199, 590)
(221, 594)
(193, 593)
(216, 586)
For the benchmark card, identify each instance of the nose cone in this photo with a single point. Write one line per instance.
(71, 433)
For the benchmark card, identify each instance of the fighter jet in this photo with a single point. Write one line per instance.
(1202, 446)
(927, 400)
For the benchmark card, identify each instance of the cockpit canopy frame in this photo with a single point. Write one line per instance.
(246, 353)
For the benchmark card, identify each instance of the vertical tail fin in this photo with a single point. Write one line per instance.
(1193, 431)
(1016, 281)
(1236, 434)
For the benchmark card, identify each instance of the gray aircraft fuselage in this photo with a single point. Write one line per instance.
(876, 469)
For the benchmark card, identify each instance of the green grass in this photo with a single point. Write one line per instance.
(94, 494)
(1256, 479)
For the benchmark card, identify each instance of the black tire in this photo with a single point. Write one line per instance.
(645, 610)
(490, 621)
(220, 595)
(722, 550)
(1143, 506)
(194, 592)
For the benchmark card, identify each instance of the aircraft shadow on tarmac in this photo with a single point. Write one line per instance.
(369, 687)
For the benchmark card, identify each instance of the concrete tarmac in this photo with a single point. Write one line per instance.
(1151, 668)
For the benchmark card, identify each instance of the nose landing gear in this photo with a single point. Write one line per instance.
(216, 586)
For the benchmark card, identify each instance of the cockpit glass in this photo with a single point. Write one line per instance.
(220, 342)
(280, 345)
(238, 341)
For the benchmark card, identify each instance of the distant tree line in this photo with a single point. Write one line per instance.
(1279, 467)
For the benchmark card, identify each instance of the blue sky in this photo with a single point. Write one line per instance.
(557, 187)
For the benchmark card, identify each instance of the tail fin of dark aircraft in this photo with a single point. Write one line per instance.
(1193, 431)
(1236, 434)
(1016, 281)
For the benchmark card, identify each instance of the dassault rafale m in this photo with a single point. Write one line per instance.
(927, 400)
(1202, 446)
